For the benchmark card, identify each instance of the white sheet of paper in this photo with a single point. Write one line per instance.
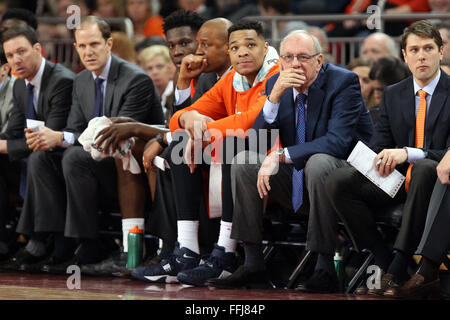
(34, 125)
(362, 158)
(160, 163)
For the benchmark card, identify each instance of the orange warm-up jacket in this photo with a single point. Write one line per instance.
(230, 109)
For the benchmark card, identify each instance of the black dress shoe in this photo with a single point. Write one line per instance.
(320, 282)
(242, 278)
(21, 261)
(115, 264)
(55, 266)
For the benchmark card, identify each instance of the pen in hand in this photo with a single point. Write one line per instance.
(379, 162)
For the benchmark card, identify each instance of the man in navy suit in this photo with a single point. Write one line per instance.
(330, 99)
(412, 135)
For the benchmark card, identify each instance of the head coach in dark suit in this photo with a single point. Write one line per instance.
(41, 92)
(65, 190)
(412, 134)
(330, 99)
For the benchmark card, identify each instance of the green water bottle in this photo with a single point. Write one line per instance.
(339, 267)
(135, 240)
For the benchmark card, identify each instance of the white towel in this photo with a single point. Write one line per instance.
(86, 139)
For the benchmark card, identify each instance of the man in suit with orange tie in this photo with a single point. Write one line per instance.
(412, 135)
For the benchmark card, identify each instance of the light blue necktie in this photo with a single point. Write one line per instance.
(300, 134)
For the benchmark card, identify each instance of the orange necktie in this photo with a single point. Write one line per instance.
(420, 130)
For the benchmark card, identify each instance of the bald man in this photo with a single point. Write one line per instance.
(444, 30)
(378, 45)
(209, 63)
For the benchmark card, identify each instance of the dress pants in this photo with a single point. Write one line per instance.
(163, 217)
(248, 206)
(65, 190)
(435, 241)
(9, 183)
(354, 196)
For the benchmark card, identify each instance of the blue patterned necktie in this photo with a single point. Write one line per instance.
(300, 134)
(98, 110)
(30, 108)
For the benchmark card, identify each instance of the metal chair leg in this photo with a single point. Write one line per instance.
(294, 275)
(352, 285)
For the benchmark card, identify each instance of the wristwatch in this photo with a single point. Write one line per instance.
(280, 153)
(160, 140)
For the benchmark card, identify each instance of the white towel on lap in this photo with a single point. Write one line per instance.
(86, 139)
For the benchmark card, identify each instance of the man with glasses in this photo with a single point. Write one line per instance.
(330, 99)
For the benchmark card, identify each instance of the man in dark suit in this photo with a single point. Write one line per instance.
(435, 241)
(68, 188)
(41, 92)
(213, 43)
(337, 118)
(412, 135)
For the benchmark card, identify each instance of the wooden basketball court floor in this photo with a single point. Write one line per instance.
(21, 286)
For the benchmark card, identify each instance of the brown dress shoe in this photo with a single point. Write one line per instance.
(414, 288)
(387, 282)
(362, 290)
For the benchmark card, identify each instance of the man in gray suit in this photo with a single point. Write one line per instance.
(6, 91)
(66, 189)
(435, 241)
(42, 92)
(9, 176)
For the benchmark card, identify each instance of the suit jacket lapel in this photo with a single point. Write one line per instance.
(314, 105)
(110, 84)
(437, 102)
(409, 110)
(287, 117)
(44, 80)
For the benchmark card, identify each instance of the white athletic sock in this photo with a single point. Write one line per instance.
(224, 237)
(188, 235)
(128, 224)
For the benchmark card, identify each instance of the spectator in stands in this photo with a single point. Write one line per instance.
(361, 66)
(340, 119)
(145, 23)
(41, 92)
(110, 8)
(9, 171)
(148, 42)
(235, 10)
(123, 46)
(378, 45)
(445, 66)
(435, 241)
(48, 33)
(270, 8)
(155, 60)
(351, 27)
(66, 187)
(444, 30)
(321, 35)
(4, 6)
(385, 72)
(198, 6)
(400, 137)
(14, 15)
(233, 103)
